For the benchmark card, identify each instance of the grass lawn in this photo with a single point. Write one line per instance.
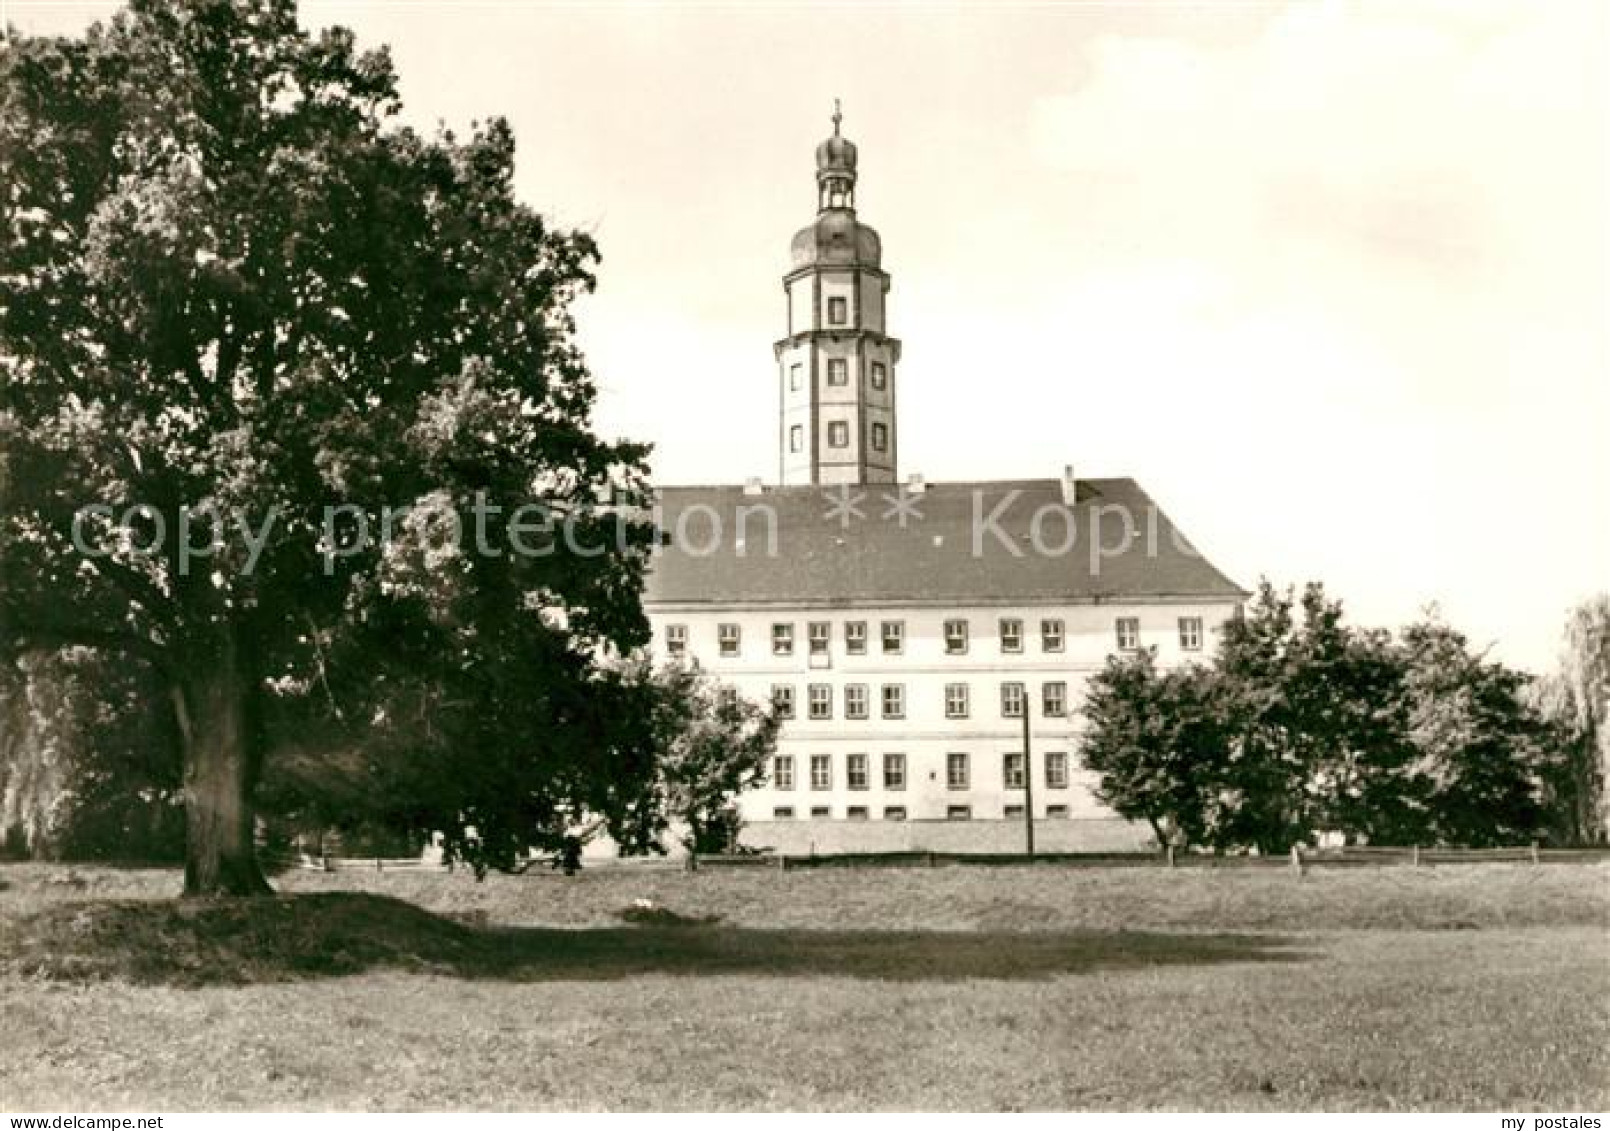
(976, 988)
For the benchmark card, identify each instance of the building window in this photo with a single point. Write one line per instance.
(821, 772)
(894, 771)
(1056, 810)
(955, 637)
(782, 772)
(1128, 632)
(894, 700)
(837, 312)
(894, 812)
(676, 639)
(1013, 812)
(1051, 636)
(796, 377)
(958, 812)
(880, 376)
(727, 698)
(856, 813)
(821, 632)
(1011, 700)
(855, 637)
(955, 700)
(1056, 770)
(1054, 700)
(856, 775)
(727, 637)
(1011, 635)
(894, 637)
(838, 434)
(782, 640)
(796, 438)
(783, 813)
(1191, 634)
(820, 812)
(1012, 771)
(955, 771)
(782, 700)
(821, 701)
(838, 371)
(855, 706)
(880, 438)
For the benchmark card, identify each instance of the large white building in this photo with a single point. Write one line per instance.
(903, 627)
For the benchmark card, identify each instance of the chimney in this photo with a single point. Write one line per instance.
(1070, 486)
(916, 485)
(752, 485)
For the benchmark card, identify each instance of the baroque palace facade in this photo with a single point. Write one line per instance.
(905, 628)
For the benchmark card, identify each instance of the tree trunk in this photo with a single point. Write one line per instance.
(220, 772)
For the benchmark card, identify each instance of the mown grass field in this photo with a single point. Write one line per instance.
(1472, 987)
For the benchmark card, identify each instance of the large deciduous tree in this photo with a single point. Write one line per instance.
(1575, 699)
(247, 315)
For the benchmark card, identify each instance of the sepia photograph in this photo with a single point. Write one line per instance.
(653, 556)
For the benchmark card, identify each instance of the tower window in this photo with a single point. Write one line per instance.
(796, 438)
(880, 438)
(796, 378)
(880, 376)
(838, 312)
(838, 434)
(838, 371)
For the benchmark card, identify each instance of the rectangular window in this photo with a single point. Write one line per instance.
(894, 700)
(796, 377)
(838, 371)
(1056, 770)
(855, 706)
(894, 771)
(955, 700)
(1051, 636)
(820, 812)
(956, 771)
(727, 698)
(837, 311)
(1011, 635)
(1012, 771)
(894, 812)
(821, 701)
(783, 813)
(1056, 810)
(1013, 812)
(894, 637)
(955, 637)
(782, 700)
(1054, 699)
(676, 639)
(958, 812)
(1011, 700)
(782, 640)
(880, 376)
(838, 434)
(796, 438)
(856, 813)
(1128, 633)
(782, 772)
(856, 774)
(821, 634)
(727, 636)
(880, 437)
(855, 637)
(1191, 634)
(821, 772)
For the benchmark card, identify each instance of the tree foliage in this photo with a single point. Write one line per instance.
(1575, 700)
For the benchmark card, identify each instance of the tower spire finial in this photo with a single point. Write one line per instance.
(838, 116)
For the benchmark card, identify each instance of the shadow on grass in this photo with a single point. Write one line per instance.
(287, 937)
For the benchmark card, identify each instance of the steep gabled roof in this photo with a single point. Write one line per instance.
(997, 542)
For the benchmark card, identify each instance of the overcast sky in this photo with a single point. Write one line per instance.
(1328, 279)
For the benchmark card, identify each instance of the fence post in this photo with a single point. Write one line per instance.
(1537, 857)
(1414, 856)
(378, 866)
(1297, 859)
(930, 859)
(1169, 850)
(782, 861)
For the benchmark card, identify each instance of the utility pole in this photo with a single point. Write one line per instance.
(1028, 783)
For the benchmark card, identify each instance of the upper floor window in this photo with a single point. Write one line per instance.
(880, 437)
(855, 637)
(727, 698)
(838, 311)
(796, 438)
(1128, 632)
(821, 633)
(727, 639)
(1011, 700)
(838, 371)
(894, 700)
(821, 701)
(1012, 771)
(956, 771)
(1051, 635)
(894, 771)
(821, 771)
(838, 434)
(855, 706)
(880, 376)
(955, 637)
(1056, 770)
(955, 700)
(1191, 634)
(782, 772)
(782, 640)
(856, 775)
(782, 700)
(676, 639)
(1011, 634)
(796, 378)
(1054, 699)
(894, 636)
